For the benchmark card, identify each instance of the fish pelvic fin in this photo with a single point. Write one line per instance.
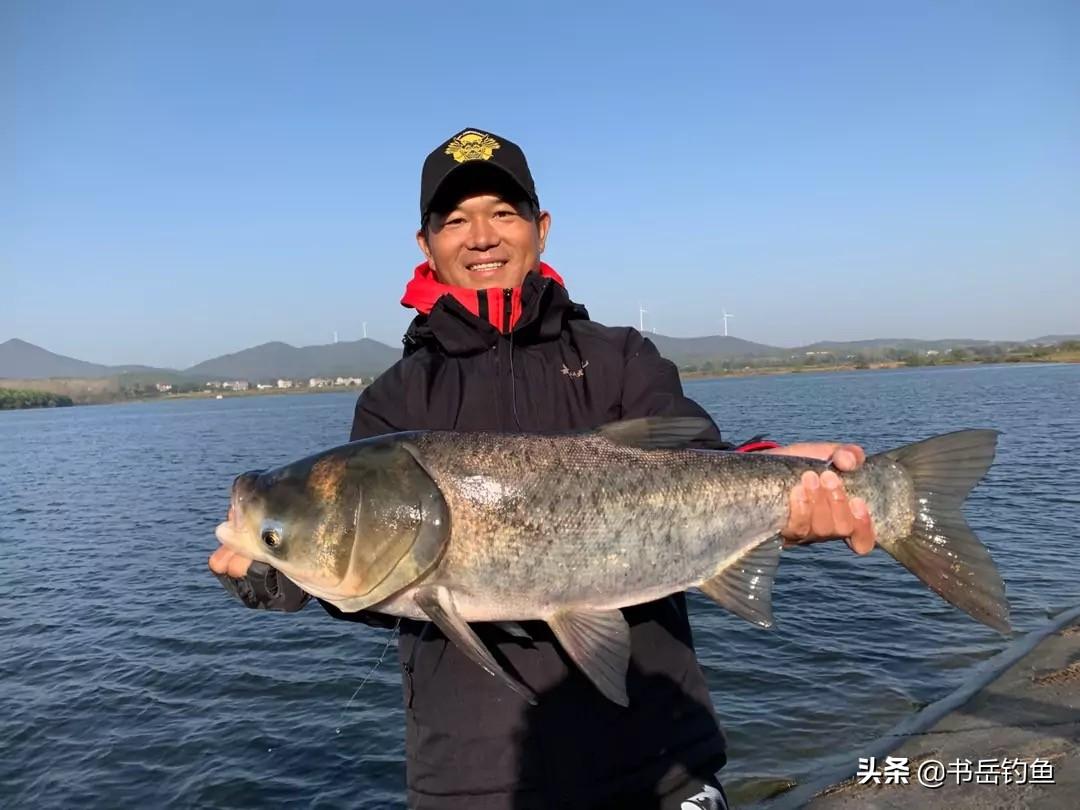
(598, 641)
(745, 585)
(656, 432)
(438, 603)
(941, 549)
(514, 630)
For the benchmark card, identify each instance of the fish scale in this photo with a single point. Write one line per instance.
(570, 499)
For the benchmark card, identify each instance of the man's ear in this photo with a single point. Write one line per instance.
(543, 223)
(421, 240)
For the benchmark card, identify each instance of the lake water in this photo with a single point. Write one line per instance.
(130, 677)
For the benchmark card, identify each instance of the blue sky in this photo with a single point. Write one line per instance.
(194, 178)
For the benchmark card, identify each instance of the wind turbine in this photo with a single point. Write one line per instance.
(642, 312)
(726, 315)
(365, 330)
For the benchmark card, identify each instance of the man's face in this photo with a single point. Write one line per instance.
(484, 241)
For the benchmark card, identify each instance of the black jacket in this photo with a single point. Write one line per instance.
(470, 742)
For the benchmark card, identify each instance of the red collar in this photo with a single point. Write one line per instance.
(493, 305)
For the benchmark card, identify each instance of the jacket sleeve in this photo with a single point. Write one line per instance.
(651, 387)
(265, 588)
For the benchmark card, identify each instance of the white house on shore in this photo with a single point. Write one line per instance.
(284, 383)
(349, 381)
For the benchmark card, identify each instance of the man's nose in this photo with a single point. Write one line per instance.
(482, 234)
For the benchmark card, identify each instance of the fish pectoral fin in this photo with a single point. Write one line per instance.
(438, 603)
(656, 432)
(745, 586)
(599, 643)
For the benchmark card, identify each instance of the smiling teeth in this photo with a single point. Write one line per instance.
(486, 266)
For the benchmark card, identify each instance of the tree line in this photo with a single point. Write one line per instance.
(13, 398)
(988, 353)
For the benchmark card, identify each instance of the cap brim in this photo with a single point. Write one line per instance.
(469, 177)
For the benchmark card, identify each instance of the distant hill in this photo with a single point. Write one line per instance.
(713, 347)
(369, 358)
(1052, 339)
(362, 358)
(22, 360)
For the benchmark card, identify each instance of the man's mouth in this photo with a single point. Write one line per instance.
(484, 267)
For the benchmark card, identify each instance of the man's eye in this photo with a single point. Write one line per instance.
(505, 214)
(454, 221)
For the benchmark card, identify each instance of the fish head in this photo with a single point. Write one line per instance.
(353, 525)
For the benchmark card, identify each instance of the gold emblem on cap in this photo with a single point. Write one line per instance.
(472, 145)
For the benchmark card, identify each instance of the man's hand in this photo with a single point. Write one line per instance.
(820, 508)
(227, 561)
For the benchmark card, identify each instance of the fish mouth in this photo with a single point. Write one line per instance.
(226, 535)
(231, 532)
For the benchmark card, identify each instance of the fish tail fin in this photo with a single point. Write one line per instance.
(941, 549)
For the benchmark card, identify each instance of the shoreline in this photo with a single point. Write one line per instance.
(110, 398)
(118, 400)
(765, 371)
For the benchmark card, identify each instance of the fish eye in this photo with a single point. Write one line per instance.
(271, 536)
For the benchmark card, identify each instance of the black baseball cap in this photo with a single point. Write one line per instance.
(473, 150)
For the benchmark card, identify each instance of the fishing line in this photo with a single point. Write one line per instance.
(371, 671)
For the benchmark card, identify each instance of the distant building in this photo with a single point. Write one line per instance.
(163, 387)
(320, 382)
(235, 385)
(213, 384)
(284, 383)
(349, 381)
(932, 352)
(263, 386)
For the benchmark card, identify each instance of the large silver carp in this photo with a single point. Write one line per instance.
(482, 527)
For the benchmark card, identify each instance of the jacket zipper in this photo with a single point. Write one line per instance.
(508, 305)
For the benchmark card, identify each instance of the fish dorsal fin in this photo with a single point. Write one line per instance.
(438, 603)
(599, 643)
(745, 586)
(656, 432)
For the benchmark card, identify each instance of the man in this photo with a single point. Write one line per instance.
(497, 345)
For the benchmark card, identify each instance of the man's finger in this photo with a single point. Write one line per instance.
(798, 525)
(842, 521)
(238, 566)
(821, 509)
(862, 534)
(219, 560)
(848, 457)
